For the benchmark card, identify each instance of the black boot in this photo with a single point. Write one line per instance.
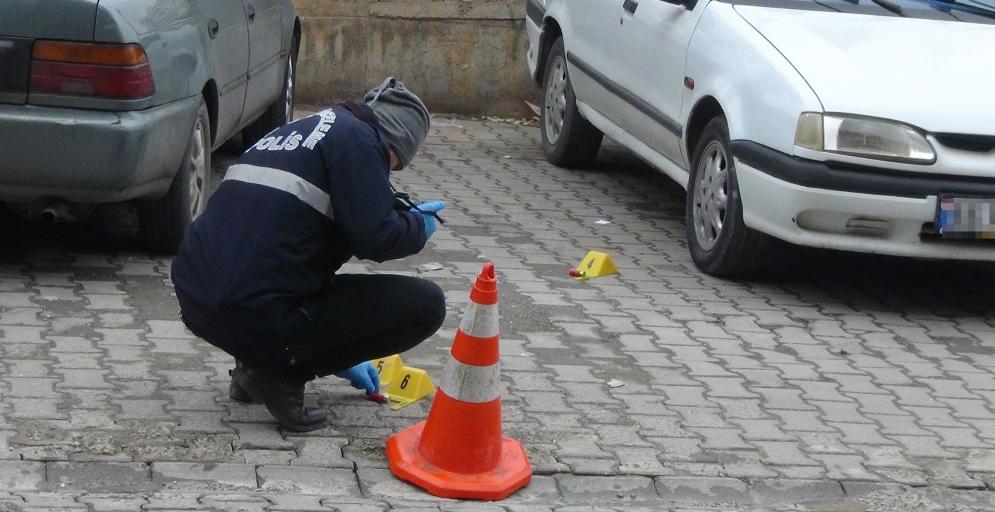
(283, 397)
(235, 392)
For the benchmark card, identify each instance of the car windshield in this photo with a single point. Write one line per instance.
(966, 11)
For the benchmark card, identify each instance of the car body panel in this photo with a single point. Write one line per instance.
(759, 91)
(266, 56)
(831, 219)
(92, 155)
(228, 61)
(175, 40)
(132, 148)
(535, 11)
(662, 56)
(918, 71)
(34, 19)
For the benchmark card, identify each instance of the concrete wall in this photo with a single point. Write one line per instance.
(462, 56)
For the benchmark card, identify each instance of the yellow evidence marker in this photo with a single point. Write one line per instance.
(410, 386)
(402, 385)
(387, 367)
(595, 264)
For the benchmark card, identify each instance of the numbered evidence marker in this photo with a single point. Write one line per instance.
(410, 385)
(594, 264)
(403, 385)
(388, 368)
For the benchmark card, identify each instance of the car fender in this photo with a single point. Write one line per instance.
(760, 92)
(174, 39)
(539, 40)
(289, 15)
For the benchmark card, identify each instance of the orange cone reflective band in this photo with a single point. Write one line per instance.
(460, 451)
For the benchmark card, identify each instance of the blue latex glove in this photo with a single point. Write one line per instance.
(426, 208)
(362, 376)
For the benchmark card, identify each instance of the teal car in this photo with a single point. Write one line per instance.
(124, 100)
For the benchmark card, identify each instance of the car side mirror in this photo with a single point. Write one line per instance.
(688, 4)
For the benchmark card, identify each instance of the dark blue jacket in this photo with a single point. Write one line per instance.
(298, 204)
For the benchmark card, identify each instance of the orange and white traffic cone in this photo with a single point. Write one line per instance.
(460, 451)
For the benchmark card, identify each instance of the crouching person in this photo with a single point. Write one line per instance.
(256, 273)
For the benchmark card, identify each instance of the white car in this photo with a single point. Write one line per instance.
(861, 125)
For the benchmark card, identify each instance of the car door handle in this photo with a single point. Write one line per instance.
(630, 6)
(213, 28)
(251, 12)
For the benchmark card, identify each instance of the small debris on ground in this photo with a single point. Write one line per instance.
(602, 222)
(430, 267)
(615, 383)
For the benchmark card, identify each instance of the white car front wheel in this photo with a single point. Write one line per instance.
(720, 242)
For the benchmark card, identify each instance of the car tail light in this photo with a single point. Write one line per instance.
(112, 71)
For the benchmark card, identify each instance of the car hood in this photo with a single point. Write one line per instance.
(936, 75)
(48, 19)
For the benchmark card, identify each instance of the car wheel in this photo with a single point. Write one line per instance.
(162, 222)
(568, 139)
(720, 242)
(281, 111)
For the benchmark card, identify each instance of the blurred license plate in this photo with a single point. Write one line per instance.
(966, 217)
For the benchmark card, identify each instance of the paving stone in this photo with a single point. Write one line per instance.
(320, 451)
(845, 467)
(260, 436)
(950, 474)
(101, 301)
(50, 500)
(100, 476)
(601, 489)
(783, 453)
(381, 484)
(791, 492)
(82, 378)
(288, 502)
(182, 475)
(308, 480)
(21, 476)
(703, 490)
(142, 409)
(607, 467)
(721, 438)
(761, 430)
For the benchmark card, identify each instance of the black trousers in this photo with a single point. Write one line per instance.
(356, 319)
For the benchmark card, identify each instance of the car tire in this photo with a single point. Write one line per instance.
(568, 139)
(281, 111)
(162, 222)
(720, 242)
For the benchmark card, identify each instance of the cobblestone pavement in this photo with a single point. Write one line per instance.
(836, 381)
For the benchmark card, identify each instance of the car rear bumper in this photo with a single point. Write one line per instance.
(92, 156)
(813, 204)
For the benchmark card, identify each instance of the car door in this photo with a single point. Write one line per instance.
(656, 35)
(592, 43)
(266, 63)
(228, 39)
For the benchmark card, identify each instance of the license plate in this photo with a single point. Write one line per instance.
(966, 217)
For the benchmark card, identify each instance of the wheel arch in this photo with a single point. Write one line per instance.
(551, 31)
(295, 38)
(210, 94)
(706, 109)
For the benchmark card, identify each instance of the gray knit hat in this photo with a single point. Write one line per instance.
(402, 115)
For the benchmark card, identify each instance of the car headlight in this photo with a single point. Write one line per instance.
(864, 137)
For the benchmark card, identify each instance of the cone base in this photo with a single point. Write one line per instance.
(511, 474)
